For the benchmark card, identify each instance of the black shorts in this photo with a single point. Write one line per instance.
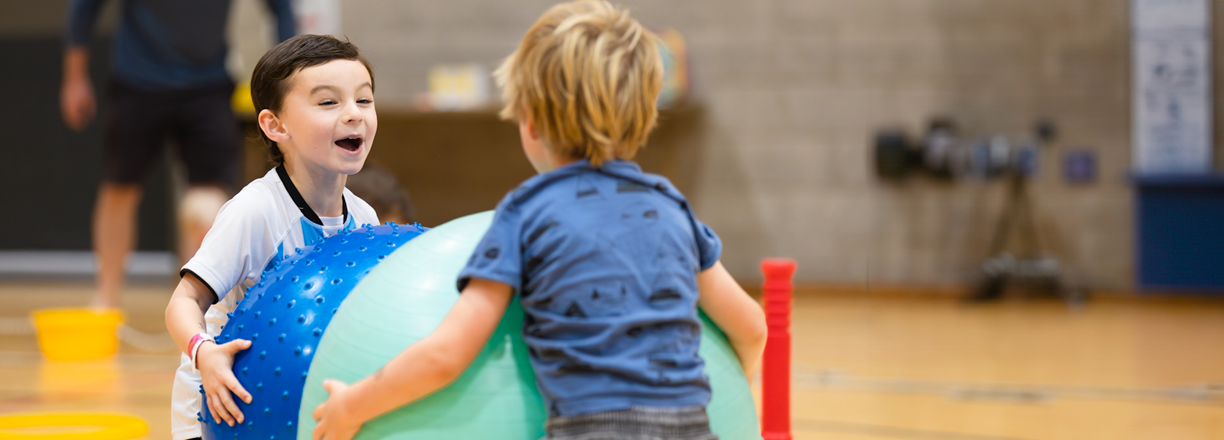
(199, 121)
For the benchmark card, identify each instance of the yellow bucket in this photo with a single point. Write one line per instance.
(77, 334)
(71, 426)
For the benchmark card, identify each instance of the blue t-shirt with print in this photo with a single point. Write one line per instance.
(605, 260)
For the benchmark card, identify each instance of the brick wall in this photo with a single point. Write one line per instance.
(793, 91)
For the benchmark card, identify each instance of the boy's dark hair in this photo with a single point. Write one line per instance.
(270, 81)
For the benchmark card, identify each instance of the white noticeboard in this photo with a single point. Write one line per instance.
(1171, 44)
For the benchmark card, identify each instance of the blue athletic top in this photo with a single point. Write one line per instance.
(168, 44)
(605, 262)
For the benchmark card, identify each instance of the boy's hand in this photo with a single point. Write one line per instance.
(216, 363)
(334, 421)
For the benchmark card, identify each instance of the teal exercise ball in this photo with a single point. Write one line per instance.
(405, 298)
(732, 411)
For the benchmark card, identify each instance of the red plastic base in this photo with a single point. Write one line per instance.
(775, 364)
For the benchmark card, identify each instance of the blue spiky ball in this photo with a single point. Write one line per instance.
(284, 316)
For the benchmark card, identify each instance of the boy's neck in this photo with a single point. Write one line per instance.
(554, 161)
(563, 162)
(322, 190)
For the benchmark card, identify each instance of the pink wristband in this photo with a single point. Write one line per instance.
(193, 346)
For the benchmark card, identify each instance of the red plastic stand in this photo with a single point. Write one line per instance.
(775, 366)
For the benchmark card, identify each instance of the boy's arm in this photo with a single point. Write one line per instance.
(185, 319)
(421, 369)
(736, 313)
(185, 313)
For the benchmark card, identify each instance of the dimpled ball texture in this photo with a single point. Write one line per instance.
(407, 296)
(285, 315)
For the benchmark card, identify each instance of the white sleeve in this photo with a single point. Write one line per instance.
(240, 240)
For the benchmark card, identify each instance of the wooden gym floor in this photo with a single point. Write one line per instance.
(865, 367)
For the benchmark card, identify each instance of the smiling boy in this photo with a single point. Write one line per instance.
(315, 101)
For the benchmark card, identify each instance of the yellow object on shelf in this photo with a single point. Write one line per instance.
(71, 426)
(241, 100)
(77, 334)
(456, 87)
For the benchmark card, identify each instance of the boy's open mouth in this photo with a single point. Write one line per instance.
(351, 143)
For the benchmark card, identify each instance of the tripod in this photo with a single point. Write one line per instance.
(1031, 267)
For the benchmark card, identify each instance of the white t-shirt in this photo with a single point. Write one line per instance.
(253, 231)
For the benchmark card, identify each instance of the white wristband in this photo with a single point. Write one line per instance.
(195, 349)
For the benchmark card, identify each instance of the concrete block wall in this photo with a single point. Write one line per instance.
(794, 90)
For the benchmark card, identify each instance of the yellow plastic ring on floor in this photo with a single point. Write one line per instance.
(109, 426)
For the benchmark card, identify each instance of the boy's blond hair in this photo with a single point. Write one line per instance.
(587, 76)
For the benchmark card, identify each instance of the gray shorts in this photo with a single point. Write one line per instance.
(636, 423)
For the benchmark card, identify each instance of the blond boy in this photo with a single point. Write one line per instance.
(610, 263)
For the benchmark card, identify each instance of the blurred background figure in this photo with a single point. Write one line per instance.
(383, 192)
(169, 83)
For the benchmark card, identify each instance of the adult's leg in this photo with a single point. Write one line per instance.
(196, 213)
(210, 144)
(114, 236)
(135, 135)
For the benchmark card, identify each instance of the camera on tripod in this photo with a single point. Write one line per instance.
(940, 153)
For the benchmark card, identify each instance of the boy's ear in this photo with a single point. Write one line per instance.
(272, 126)
(531, 128)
